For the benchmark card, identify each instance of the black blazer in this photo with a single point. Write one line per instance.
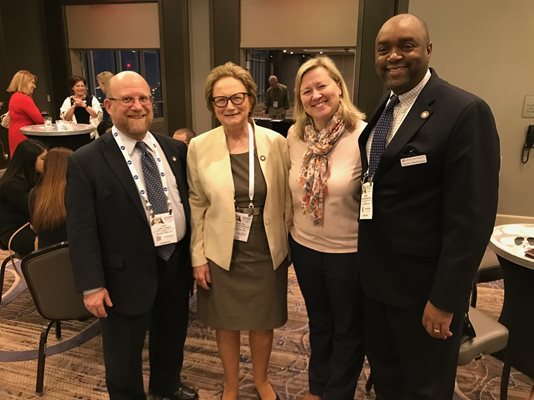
(431, 221)
(110, 240)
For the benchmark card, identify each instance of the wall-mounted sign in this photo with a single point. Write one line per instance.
(528, 107)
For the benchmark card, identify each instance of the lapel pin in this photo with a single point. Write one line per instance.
(262, 158)
(425, 114)
(173, 159)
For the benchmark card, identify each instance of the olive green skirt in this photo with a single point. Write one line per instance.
(251, 295)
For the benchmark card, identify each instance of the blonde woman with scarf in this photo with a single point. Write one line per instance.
(325, 183)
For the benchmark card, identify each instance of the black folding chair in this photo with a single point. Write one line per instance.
(49, 277)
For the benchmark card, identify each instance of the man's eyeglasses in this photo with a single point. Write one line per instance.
(129, 100)
(236, 99)
(520, 240)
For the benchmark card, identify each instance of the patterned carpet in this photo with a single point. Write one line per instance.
(78, 373)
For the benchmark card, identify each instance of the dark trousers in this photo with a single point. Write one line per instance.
(124, 335)
(328, 283)
(406, 362)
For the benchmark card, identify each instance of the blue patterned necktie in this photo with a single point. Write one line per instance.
(382, 128)
(154, 190)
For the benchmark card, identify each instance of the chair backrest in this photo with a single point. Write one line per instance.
(50, 279)
(490, 338)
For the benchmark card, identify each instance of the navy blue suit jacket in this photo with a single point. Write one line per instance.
(432, 221)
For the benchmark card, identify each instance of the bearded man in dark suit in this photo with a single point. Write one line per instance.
(428, 209)
(132, 279)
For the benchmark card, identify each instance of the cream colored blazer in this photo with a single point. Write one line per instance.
(211, 196)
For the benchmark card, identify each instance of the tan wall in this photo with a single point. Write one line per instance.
(200, 62)
(485, 47)
(113, 26)
(75, 62)
(298, 23)
(503, 219)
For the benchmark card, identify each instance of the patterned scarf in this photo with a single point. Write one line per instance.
(314, 170)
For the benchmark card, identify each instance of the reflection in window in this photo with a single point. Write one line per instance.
(152, 76)
(145, 62)
(103, 60)
(129, 60)
(256, 64)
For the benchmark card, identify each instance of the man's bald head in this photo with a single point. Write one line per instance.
(129, 103)
(402, 52)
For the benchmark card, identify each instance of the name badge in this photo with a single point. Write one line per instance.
(243, 222)
(415, 160)
(275, 103)
(163, 229)
(366, 202)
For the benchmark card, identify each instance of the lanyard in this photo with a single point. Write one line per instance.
(141, 188)
(250, 166)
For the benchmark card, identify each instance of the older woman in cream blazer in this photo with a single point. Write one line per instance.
(210, 172)
(240, 268)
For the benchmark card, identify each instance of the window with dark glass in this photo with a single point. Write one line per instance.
(145, 62)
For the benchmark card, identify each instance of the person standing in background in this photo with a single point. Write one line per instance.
(103, 82)
(276, 99)
(325, 183)
(22, 108)
(430, 157)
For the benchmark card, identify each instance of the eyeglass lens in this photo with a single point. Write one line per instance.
(236, 99)
(142, 99)
(129, 100)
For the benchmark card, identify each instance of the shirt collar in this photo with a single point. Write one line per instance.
(413, 93)
(129, 142)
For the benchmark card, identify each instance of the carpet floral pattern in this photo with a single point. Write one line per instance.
(79, 373)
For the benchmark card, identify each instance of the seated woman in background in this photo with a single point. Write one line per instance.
(80, 108)
(22, 109)
(20, 177)
(47, 199)
(103, 81)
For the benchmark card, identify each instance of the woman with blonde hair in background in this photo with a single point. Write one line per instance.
(240, 208)
(22, 108)
(325, 185)
(47, 199)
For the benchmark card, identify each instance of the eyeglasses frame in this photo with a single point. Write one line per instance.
(134, 98)
(213, 99)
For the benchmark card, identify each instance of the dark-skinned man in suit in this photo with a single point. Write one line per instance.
(428, 208)
(134, 271)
